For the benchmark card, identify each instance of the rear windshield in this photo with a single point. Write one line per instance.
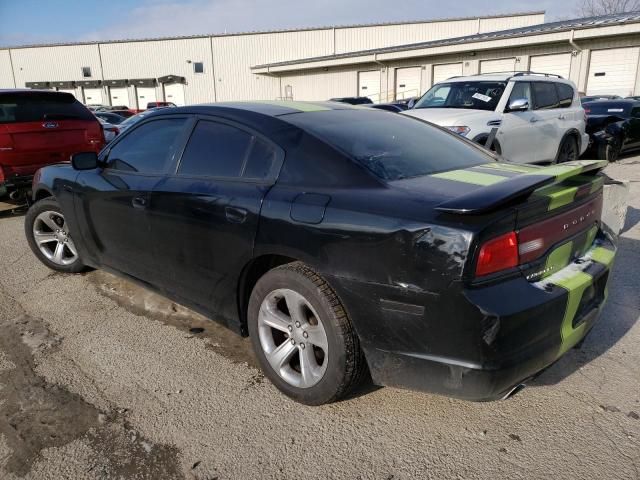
(607, 108)
(390, 145)
(471, 95)
(38, 106)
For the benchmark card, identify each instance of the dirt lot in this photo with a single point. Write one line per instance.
(99, 379)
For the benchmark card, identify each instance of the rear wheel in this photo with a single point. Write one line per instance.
(568, 150)
(302, 336)
(48, 236)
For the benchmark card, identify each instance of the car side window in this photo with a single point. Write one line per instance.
(545, 95)
(147, 149)
(635, 112)
(565, 95)
(521, 90)
(220, 150)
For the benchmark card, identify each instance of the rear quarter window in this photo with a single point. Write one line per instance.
(39, 106)
(565, 95)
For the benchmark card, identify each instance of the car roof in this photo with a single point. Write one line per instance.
(505, 76)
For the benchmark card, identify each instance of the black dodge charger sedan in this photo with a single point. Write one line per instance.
(343, 240)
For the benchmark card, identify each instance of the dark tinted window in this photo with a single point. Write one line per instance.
(635, 112)
(565, 94)
(38, 106)
(215, 150)
(260, 161)
(149, 148)
(198, 67)
(545, 95)
(391, 146)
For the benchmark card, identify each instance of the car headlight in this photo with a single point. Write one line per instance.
(460, 129)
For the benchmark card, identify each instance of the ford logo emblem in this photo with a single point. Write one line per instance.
(50, 124)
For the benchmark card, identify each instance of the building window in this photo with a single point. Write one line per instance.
(86, 72)
(198, 67)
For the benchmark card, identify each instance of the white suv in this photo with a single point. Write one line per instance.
(539, 116)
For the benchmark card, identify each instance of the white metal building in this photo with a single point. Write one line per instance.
(382, 61)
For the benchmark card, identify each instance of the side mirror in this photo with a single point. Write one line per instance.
(84, 161)
(411, 103)
(519, 105)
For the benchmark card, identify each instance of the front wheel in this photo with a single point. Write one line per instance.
(568, 150)
(302, 336)
(609, 151)
(48, 236)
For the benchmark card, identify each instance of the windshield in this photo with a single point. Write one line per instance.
(392, 146)
(607, 108)
(471, 95)
(37, 106)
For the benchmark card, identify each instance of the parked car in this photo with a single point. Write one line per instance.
(112, 118)
(110, 131)
(592, 98)
(614, 127)
(338, 238)
(538, 117)
(352, 100)
(151, 105)
(39, 128)
(124, 113)
(391, 106)
(634, 97)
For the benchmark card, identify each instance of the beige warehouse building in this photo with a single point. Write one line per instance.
(382, 61)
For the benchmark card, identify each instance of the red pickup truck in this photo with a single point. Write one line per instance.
(39, 128)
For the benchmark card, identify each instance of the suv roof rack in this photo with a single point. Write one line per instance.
(522, 74)
(513, 74)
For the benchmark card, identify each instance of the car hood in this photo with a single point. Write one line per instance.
(452, 116)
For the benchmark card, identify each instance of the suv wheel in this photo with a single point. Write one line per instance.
(302, 336)
(568, 150)
(48, 236)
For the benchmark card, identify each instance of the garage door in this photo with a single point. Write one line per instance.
(119, 96)
(72, 91)
(501, 65)
(93, 96)
(408, 82)
(559, 64)
(174, 92)
(145, 95)
(446, 70)
(613, 71)
(369, 85)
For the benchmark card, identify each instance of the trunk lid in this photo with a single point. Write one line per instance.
(557, 209)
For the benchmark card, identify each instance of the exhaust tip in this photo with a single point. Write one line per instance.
(513, 391)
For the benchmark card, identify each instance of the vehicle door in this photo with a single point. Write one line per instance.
(517, 136)
(113, 202)
(548, 129)
(633, 128)
(204, 217)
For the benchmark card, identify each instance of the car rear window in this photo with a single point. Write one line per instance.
(392, 146)
(38, 106)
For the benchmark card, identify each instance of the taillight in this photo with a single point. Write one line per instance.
(2, 178)
(497, 254)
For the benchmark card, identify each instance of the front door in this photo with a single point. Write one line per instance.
(113, 202)
(205, 217)
(516, 134)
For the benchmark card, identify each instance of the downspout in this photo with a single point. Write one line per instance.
(386, 71)
(572, 41)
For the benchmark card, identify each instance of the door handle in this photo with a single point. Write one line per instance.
(139, 202)
(562, 117)
(533, 120)
(235, 214)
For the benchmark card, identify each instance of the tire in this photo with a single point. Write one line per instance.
(53, 246)
(494, 147)
(336, 362)
(609, 151)
(568, 150)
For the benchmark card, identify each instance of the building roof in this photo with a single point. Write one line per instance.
(542, 28)
(284, 30)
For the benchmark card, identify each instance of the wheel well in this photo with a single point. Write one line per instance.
(41, 194)
(482, 138)
(250, 276)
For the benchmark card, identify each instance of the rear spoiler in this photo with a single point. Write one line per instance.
(499, 194)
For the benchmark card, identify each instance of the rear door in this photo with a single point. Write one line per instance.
(113, 202)
(206, 214)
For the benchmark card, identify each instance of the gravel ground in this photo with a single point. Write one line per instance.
(100, 379)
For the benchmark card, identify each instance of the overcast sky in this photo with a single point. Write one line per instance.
(35, 21)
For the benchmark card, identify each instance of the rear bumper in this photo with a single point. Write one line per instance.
(477, 343)
(584, 144)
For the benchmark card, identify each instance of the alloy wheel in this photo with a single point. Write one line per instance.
(293, 338)
(51, 235)
(568, 152)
